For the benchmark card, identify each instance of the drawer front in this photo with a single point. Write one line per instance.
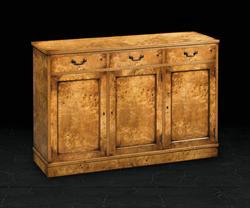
(135, 58)
(71, 63)
(189, 55)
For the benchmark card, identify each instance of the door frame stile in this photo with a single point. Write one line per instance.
(212, 103)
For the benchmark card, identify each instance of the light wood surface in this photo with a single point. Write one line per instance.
(117, 102)
(135, 58)
(40, 102)
(189, 55)
(63, 63)
(190, 104)
(122, 42)
(136, 160)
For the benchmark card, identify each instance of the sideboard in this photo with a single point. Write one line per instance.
(125, 101)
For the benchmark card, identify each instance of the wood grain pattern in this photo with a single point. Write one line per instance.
(136, 110)
(40, 102)
(40, 162)
(189, 104)
(136, 104)
(189, 55)
(122, 42)
(135, 58)
(63, 63)
(217, 93)
(111, 116)
(133, 101)
(167, 105)
(78, 116)
(135, 160)
(190, 142)
(212, 103)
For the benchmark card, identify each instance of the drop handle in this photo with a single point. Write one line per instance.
(74, 62)
(136, 59)
(190, 54)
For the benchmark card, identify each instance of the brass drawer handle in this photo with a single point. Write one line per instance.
(190, 54)
(136, 59)
(80, 63)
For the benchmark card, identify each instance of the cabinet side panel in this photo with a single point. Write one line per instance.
(217, 90)
(40, 102)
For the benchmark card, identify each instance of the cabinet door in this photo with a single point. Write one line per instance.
(78, 116)
(135, 111)
(190, 105)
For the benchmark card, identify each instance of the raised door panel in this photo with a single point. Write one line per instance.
(190, 105)
(80, 117)
(136, 111)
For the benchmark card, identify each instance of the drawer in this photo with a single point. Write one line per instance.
(189, 55)
(135, 58)
(68, 63)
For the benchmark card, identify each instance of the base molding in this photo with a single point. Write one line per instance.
(124, 161)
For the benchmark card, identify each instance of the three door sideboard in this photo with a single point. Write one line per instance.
(125, 101)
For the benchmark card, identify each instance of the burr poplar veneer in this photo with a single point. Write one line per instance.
(118, 102)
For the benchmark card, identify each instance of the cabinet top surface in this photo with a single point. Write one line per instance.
(122, 42)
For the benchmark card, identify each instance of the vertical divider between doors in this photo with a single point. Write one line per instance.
(108, 107)
(163, 84)
(159, 108)
(167, 106)
(103, 113)
(111, 114)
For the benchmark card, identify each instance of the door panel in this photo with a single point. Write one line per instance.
(136, 110)
(190, 105)
(80, 117)
(136, 100)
